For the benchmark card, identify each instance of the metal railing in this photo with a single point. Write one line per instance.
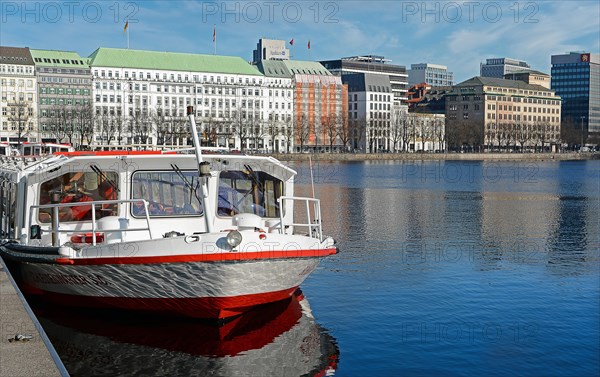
(55, 225)
(313, 226)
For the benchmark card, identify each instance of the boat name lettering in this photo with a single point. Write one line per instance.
(69, 279)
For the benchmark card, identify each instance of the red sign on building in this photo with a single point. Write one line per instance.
(585, 58)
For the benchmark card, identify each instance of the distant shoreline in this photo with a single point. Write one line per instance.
(436, 156)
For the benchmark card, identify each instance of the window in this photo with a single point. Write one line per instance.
(249, 192)
(79, 187)
(167, 192)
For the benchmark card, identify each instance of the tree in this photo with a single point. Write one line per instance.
(140, 127)
(60, 119)
(344, 131)
(272, 131)
(20, 117)
(358, 128)
(240, 127)
(330, 128)
(302, 131)
(397, 127)
(288, 134)
(83, 123)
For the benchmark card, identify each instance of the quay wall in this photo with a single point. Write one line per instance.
(436, 156)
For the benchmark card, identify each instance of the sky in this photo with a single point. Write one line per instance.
(458, 34)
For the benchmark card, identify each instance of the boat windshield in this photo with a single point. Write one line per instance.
(248, 191)
(169, 193)
(78, 187)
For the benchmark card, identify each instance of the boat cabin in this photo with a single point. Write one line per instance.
(114, 196)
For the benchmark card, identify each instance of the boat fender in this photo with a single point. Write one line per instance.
(190, 239)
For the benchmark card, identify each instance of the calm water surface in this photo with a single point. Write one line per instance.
(446, 268)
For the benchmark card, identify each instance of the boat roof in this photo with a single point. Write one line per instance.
(145, 160)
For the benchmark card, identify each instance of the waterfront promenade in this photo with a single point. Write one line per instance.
(436, 156)
(32, 357)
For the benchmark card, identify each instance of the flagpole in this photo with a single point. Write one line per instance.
(128, 38)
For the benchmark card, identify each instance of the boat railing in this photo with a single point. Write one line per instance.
(313, 218)
(55, 225)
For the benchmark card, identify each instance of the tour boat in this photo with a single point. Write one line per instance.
(192, 233)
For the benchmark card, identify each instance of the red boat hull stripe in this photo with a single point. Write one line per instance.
(215, 257)
(201, 307)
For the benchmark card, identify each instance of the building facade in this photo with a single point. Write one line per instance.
(65, 95)
(378, 65)
(270, 49)
(18, 96)
(530, 77)
(498, 67)
(432, 74)
(497, 114)
(319, 104)
(576, 79)
(140, 97)
(370, 102)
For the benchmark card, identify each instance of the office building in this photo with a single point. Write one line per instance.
(270, 49)
(65, 95)
(431, 74)
(491, 114)
(378, 65)
(576, 79)
(498, 67)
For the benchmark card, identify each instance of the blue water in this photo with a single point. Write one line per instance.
(446, 269)
(461, 268)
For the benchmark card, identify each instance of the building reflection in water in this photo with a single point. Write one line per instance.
(274, 340)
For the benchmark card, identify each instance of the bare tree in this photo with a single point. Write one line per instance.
(302, 131)
(60, 119)
(240, 127)
(20, 117)
(83, 123)
(358, 128)
(272, 131)
(140, 127)
(330, 128)
(288, 134)
(344, 131)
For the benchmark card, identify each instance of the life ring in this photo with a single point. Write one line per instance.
(87, 238)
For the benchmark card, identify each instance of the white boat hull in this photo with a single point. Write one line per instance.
(206, 285)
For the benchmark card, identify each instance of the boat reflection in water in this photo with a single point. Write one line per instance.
(278, 339)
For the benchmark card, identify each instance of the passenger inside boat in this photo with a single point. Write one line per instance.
(79, 187)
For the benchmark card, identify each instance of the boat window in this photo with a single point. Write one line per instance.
(167, 193)
(78, 187)
(248, 191)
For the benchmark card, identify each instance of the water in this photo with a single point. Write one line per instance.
(446, 268)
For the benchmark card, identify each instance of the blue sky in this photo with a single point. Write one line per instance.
(459, 34)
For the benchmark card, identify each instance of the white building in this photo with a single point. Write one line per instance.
(432, 74)
(146, 93)
(18, 95)
(370, 103)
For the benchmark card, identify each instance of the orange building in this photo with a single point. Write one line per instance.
(320, 103)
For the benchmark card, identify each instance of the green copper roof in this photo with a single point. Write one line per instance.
(289, 68)
(171, 61)
(301, 67)
(53, 58)
(505, 83)
(274, 68)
